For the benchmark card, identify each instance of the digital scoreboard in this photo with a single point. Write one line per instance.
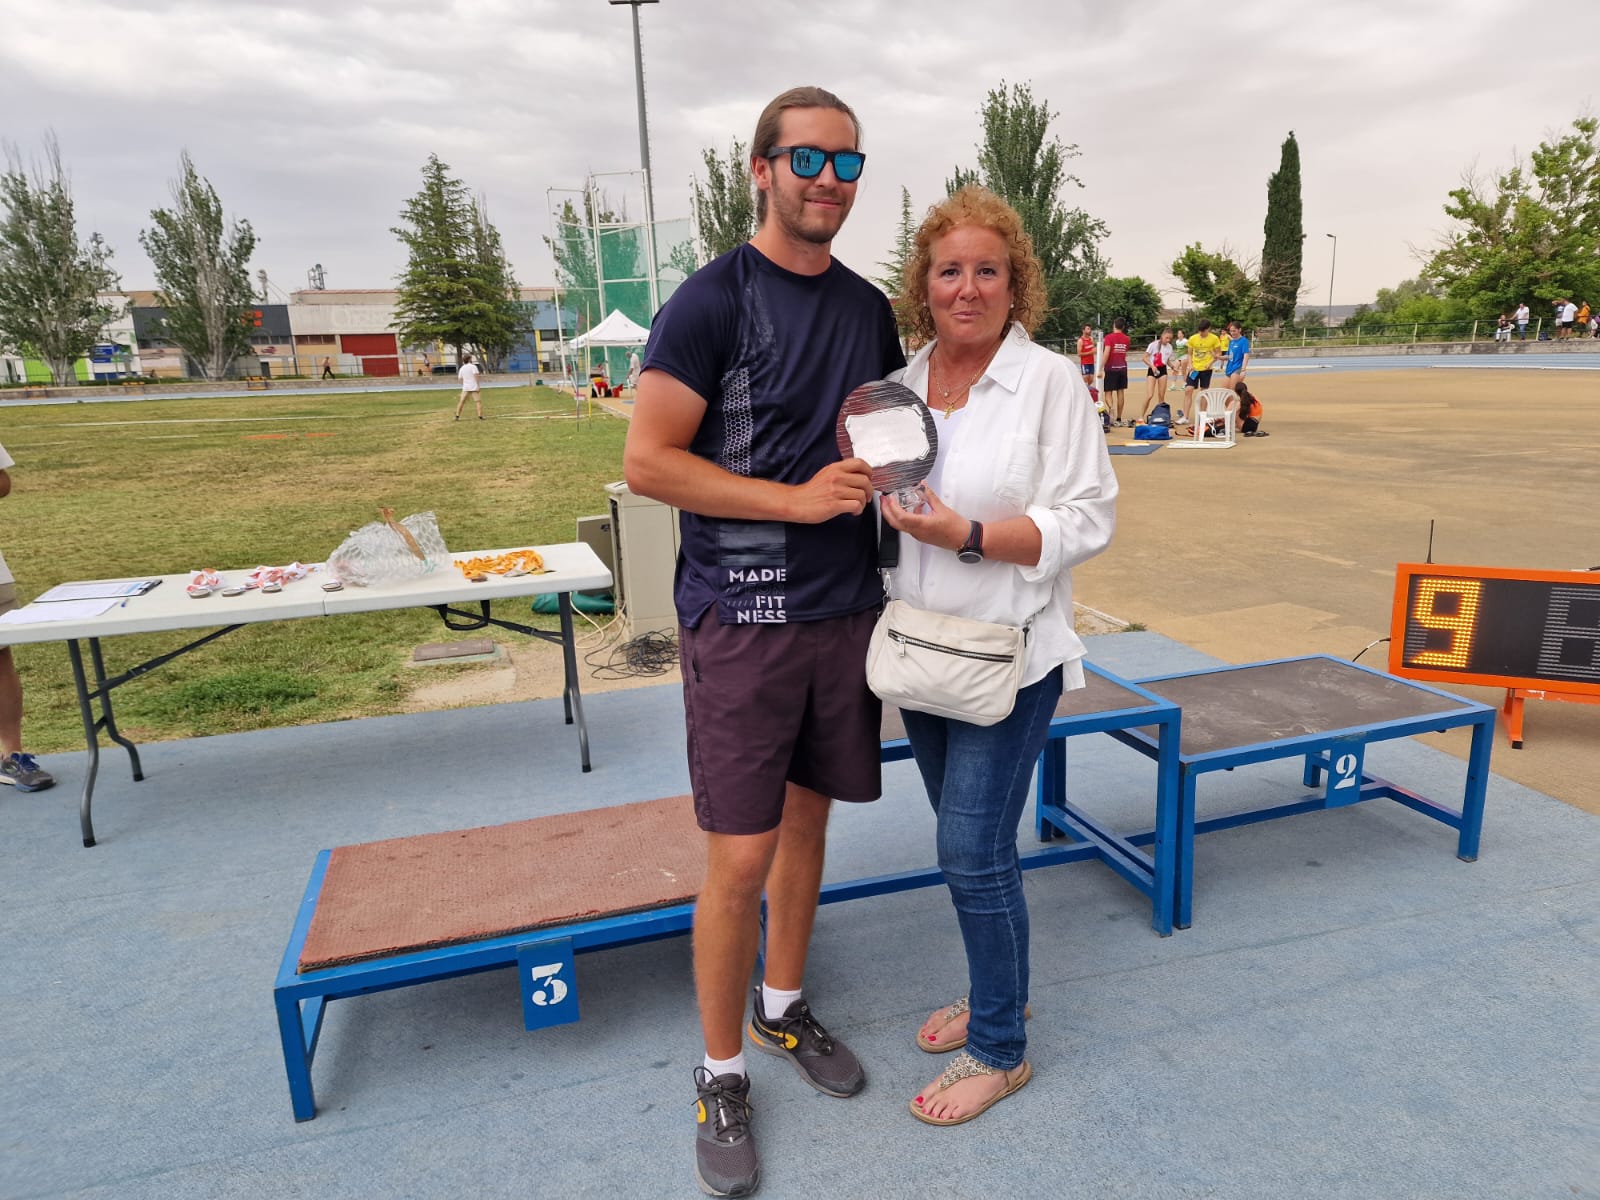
(1535, 633)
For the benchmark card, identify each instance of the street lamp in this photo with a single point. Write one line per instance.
(1332, 262)
(644, 125)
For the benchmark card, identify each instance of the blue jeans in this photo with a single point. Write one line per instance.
(977, 780)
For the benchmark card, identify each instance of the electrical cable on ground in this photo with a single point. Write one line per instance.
(1367, 647)
(647, 655)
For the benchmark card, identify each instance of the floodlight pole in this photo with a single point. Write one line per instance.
(644, 148)
(1332, 263)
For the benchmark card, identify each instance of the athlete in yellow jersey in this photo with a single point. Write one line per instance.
(1204, 347)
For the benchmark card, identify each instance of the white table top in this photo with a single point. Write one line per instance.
(570, 567)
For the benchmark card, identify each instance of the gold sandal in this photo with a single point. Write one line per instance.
(950, 1014)
(965, 1066)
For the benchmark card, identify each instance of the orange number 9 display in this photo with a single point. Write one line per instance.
(1460, 624)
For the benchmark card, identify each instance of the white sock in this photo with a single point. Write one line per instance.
(774, 1002)
(726, 1066)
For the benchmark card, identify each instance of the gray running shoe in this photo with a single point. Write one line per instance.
(824, 1063)
(725, 1162)
(23, 772)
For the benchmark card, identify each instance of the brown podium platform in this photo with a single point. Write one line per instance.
(405, 894)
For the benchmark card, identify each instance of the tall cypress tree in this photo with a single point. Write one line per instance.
(1280, 255)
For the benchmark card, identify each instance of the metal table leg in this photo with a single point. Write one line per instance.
(86, 800)
(571, 696)
(108, 719)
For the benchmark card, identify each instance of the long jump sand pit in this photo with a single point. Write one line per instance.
(1287, 544)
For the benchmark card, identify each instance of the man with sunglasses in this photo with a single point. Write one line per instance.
(777, 592)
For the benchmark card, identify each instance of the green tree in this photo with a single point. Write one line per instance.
(494, 320)
(1132, 298)
(725, 209)
(1224, 288)
(1023, 163)
(202, 266)
(49, 282)
(893, 279)
(1415, 301)
(439, 296)
(1280, 253)
(1532, 233)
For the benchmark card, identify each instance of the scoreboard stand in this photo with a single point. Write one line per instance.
(1512, 709)
(1534, 633)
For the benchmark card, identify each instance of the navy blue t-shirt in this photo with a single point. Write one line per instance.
(773, 354)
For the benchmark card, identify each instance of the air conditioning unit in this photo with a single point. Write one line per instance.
(596, 533)
(644, 556)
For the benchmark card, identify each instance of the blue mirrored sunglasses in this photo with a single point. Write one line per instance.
(807, 161)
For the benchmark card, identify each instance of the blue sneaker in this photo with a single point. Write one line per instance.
(23, 772)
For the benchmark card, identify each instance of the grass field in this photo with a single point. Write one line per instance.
(163, 486)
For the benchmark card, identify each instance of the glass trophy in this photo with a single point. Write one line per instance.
(888, 427)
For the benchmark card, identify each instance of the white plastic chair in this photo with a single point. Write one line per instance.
(1212, 405)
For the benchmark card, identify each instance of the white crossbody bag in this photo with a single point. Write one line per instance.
(952, 667)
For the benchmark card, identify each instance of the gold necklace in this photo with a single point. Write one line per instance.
(944, 393)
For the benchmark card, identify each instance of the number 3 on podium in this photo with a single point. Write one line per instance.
(548, 983)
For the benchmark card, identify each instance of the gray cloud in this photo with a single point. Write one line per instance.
(313, 118)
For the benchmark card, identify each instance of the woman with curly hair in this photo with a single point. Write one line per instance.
(1022, 490)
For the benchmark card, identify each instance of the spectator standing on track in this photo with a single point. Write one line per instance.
(1238, 354)
(1521, 318)
(1180, 364)
(1157, 362)
(17, 768)
(1115, 383)
(1086, 353)
(777, 594)
(1204, 347)
(467, 372)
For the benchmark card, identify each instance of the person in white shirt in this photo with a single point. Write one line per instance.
(1158, 360)
(18, 769)
(1021, 491)
(1569, 313)
(1521, 318)
(633, 371)
(467, 372)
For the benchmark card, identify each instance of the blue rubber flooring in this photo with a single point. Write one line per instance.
(1355, 1013)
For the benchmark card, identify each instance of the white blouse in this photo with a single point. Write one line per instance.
(1030, 444)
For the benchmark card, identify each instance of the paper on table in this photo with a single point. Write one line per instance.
(62, 610)
(95, 590)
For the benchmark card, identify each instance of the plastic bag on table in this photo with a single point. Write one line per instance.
(390, 551)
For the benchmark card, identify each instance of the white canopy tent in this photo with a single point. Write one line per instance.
(615, 330)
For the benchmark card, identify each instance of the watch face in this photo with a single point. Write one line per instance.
(969, 556)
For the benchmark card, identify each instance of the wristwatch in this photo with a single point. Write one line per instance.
(972, 549)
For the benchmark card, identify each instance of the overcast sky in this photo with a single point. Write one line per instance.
(312, 117)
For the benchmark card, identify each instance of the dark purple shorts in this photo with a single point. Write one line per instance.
(767, 705)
